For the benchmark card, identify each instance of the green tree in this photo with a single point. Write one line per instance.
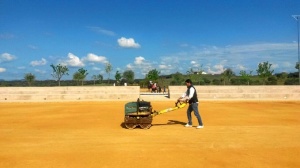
(97, 77)
(59, 71)
(223, 77)
(216, 82)
(246, 76)
(196, 75)
(162, 81)
(83, 74)
(282, 77)
(30, 78)
(206, 81)
(291, 81)
(272, 80)
(94, 77)
(129, 76)
(100, 78)
(298, 67)
(118, 77)
(190, 73)
(177, 78)
(227, 74)
(77, 76)
(199, 74)
(108, 69)
(153, 75)
(264, 71)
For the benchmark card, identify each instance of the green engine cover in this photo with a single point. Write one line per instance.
(131, 107)
(139, 106)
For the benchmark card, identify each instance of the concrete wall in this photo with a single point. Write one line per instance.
(131, 93)
(240, 92)
(74, 93)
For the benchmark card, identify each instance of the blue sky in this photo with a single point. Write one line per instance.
(141, 35)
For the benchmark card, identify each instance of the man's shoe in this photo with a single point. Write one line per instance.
(200, 126)
(188, 125)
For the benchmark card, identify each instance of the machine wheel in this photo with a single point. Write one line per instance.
(130, 125)
(145, 125)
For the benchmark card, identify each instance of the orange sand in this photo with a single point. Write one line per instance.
(91, 134)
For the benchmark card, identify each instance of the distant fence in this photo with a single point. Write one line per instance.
(240, 92)
(131, 93)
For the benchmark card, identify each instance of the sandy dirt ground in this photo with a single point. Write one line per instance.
(92, 134)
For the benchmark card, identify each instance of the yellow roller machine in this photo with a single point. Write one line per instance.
(140, 113)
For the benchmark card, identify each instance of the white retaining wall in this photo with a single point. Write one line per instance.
(132, 93)
(240, 92)
(70, 93)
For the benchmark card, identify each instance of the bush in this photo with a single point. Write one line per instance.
(272, 80)
(216, 82)
(206, 81)
(291, 81)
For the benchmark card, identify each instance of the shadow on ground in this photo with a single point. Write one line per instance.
(170, 122)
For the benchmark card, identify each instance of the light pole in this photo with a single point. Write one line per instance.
(297, 17)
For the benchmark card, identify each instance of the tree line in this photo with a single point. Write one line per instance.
(265, 76)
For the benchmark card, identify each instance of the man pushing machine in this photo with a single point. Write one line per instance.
(190, 96)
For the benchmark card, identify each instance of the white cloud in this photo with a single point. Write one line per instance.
(259, 47)
(96, 69)
(2, 70)
(274, 66)
(288, 64)
(241, 67)
(195, 64)
(184, 45)
(237, 57)
(73, 61)
(38, 63)
(129, 66)
(139, 60)
(164, 67)
(102, 31)
(128, 43)
(40, 71)
(6, 57)
(141, 66)
(33, 47)
(7, 36)
(216, 69)
(94, 58)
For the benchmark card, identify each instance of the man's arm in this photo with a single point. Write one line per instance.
(192, 91)
(184, 97)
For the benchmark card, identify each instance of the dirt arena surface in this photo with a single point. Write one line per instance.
(91, 134)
